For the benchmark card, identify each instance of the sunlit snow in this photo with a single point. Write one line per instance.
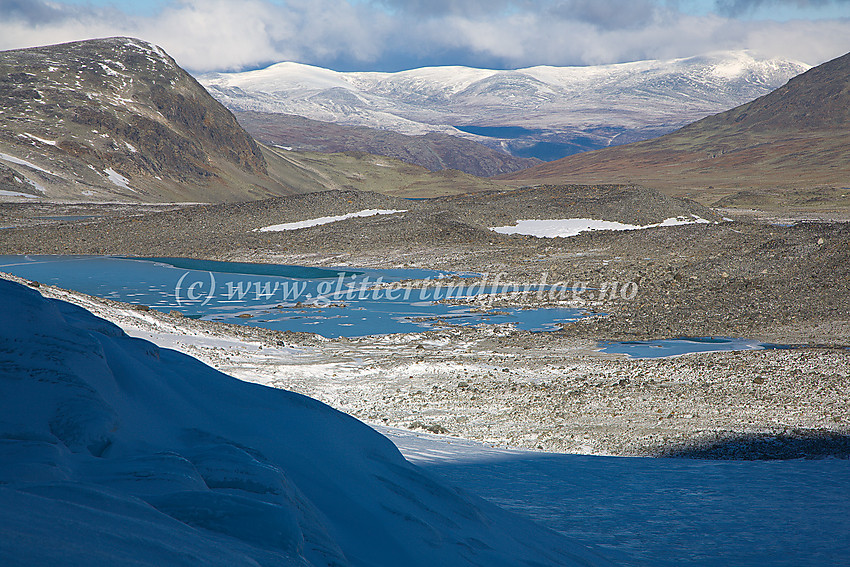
(42, 140)
(327, 220)
(554, 228)
(5, 193)
(117, 179)
(25, 163)
(662, 92)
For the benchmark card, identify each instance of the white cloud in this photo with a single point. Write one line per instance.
(206, 35)
(220, 33)
(812, 42)
(742, 7)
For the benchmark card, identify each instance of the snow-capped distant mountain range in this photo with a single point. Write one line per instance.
(528, 112)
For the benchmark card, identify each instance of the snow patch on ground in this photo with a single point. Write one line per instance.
(555, 228)
(42, 140)
(109, 70)
(16, 194)
(117, 179)
(25, 163)
(327, 220)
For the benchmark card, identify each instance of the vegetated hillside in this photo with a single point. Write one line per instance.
(312, 171)
(118, 119)
(546, 112)
(434, 151)
(788, 148)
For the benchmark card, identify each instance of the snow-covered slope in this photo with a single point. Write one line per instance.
(624, 98)
(661, 512)
(114, 451)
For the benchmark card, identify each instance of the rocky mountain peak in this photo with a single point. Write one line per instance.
(818, 99)
(115, 118)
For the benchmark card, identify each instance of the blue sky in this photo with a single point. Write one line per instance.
(780, 11)
(767, 10)
(389, 35)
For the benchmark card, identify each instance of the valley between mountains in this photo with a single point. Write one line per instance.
(735, 223)
(778, 274)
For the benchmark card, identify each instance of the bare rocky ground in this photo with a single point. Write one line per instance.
(53, 214)
(551, 391)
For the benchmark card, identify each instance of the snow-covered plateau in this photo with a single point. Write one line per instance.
(605, 101)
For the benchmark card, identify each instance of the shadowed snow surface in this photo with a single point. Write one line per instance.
(114, 451)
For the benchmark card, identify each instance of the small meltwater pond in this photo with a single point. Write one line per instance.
(331, 302)
(685, 345)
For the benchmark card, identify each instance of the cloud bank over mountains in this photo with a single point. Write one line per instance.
(222, 35)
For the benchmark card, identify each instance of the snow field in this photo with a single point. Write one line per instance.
(563, 228)
(114, 450)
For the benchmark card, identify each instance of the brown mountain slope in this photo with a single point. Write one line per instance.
(432, 151)
(789, 148)
(117, 119)
(357, 171)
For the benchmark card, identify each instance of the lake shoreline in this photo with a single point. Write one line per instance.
(740, 278)
(552, 391)
(539, 391)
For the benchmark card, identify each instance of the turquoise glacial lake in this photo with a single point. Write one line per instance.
(331, 302)
(328, 301)
(684, 345)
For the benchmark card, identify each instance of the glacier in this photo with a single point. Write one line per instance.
(116, 451)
